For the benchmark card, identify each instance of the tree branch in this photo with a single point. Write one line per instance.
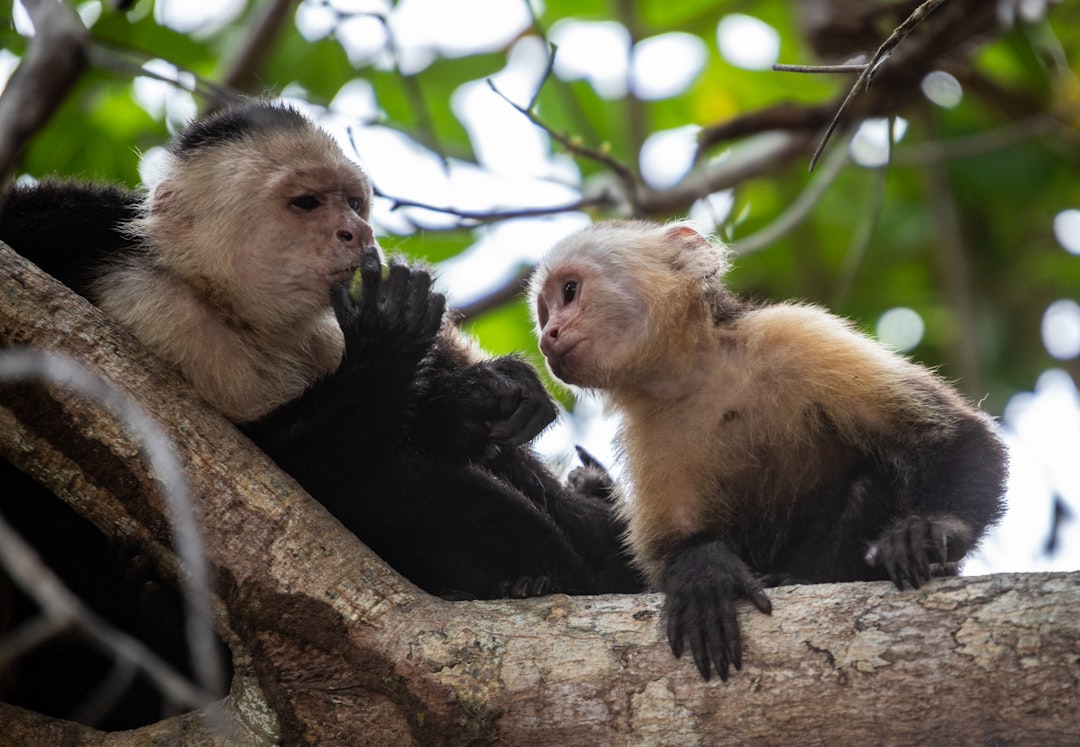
(56, 58)
(242, 71)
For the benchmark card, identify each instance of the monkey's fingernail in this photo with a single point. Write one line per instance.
(873, 556)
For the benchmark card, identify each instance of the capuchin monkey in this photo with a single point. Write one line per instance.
(251, 267)
(764, 443)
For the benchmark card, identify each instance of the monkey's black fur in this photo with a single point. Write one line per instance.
(417, 450)
(396, 444)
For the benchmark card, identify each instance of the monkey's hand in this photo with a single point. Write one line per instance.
(591, 478)
(503, 401)
(387, 320)
(525, 587)
(912, 546)
(703, 581)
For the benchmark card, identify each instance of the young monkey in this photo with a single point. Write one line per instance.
(764, 443)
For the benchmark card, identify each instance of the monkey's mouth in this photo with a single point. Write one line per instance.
(346, 273)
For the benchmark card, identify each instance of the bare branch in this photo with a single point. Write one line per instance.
(242, 72)
(473, 218)
(780, 68)
(56, 58)
(603, 157)
(757, 156)
(510, 290)
(868, 74)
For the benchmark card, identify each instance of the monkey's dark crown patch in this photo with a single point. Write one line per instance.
(239, 122)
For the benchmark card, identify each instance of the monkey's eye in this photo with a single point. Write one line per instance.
(569, 291)
(305, 202)
(354, 203)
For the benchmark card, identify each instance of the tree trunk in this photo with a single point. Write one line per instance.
(330, 646)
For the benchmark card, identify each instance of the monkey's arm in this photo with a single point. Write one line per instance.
(67, 229)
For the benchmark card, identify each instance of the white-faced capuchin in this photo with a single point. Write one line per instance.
(251, 267)
(764, 443)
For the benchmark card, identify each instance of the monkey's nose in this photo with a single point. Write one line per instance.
(347, 237)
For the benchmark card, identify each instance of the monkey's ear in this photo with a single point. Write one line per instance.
(685, 235)
(161, 198)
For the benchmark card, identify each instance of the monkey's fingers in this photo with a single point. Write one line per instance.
(919, 552)
(522, 407)
(760, 599)
(433, 316)
(591, 478)
(587, 459)
(676, 628)
(366, 292)
(394, 295)
(418, 291)
(342, 299)
(911, 547)
(424, 309)
(726, 639)
(527, 420)
(703, 641)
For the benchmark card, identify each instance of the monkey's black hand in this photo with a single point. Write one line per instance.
(527, 586)
(913, 544)
(591, 478)
(503, 401)
(394, 316)
(703, 581)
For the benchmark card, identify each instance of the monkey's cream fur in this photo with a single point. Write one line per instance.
(721, 415)
(231, 285)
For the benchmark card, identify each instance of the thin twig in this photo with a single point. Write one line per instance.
(548, 70)
(475, 217)
(506, 292)
(625, 174)
(132, 62)
(979, 143)
(866, 77)
(819, 68)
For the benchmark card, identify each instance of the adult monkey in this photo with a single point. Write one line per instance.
(236, 268)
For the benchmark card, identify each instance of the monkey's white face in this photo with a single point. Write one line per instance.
(320, 227)
(590, 327)
(288, 222)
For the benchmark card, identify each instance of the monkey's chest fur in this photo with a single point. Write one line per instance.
(759, 466)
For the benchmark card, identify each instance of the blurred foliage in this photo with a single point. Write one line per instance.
(1005, 199)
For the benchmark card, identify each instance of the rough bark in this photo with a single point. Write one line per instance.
(332, 647)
